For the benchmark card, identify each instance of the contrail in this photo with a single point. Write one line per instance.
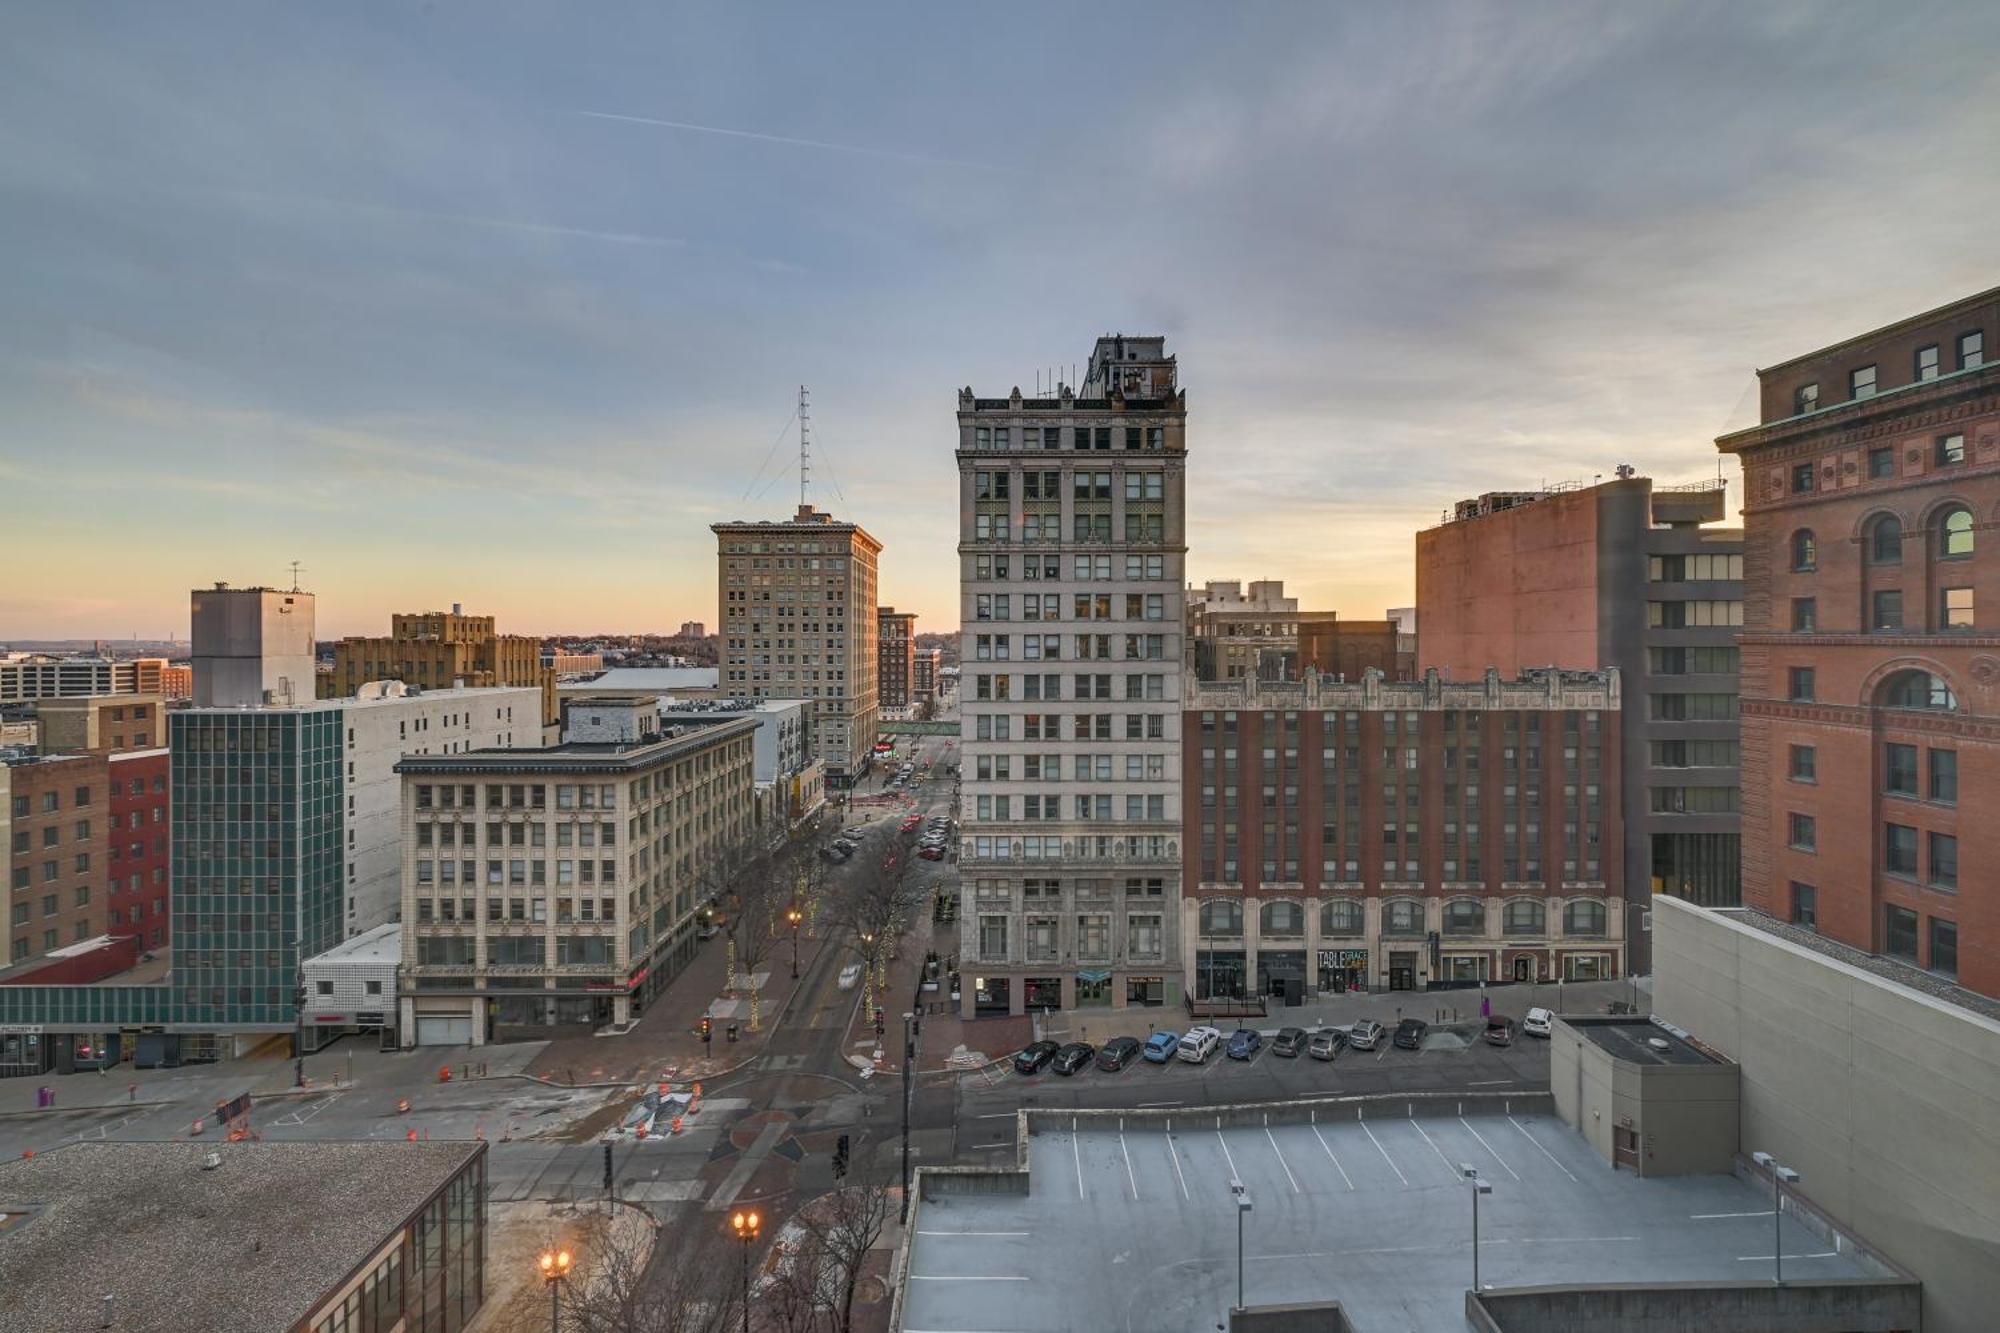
(795, 143)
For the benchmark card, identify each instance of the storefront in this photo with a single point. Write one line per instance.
(991, 996)
(1281, 973)
(1218, 973)
(1586, 967)
(1146, 992)
(1093, 987)
(1342, 970)
(1465, 969)
(1044, 992)
(23, 1050)
(1525, 967)
(1403, 969)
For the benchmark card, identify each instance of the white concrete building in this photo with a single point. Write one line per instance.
(25, 677)
(253, 646)
(352, 986)
(1071, 551)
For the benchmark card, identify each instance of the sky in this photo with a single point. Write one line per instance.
(505, 304)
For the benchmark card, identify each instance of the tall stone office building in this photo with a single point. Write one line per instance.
(1071, 548)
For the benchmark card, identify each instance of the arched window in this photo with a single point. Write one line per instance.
(1221, 916)
(1805, 551)
(1464, 916)
(1342, 916)
(1955, 534)
(1525, 916)
(1403, 916)
(1916, 689)
(1583, 917)
(1885, 540)
(1283, 918)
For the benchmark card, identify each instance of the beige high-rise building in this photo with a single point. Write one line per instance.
(797, 610)
(438, 650)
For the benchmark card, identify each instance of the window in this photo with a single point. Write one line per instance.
(1955, 608)
(1944, 776)
(1899, 769)
(1221, 916)
(1801, 684)
(1464, 916)
(1804, 834)
(1899, 932)
(1885, 610)
(1583, 918)
(1805, 398)
(1926, 367)
(1802, 477)
(1805, 551)
(1899, 850)
(1917, 689)
(1805, 764)
(1342, 916)
(1805, 615)
(1805, 905)
(1885, 540)
(1861, 382)
(1402, 916)
(1881, 463)
(1955, 534)
(1944, 860)
(1950, 450)
(1944, 946)
(1524, 916)
(1283, 918)
(1971, 349)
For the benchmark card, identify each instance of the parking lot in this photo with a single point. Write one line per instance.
(1136, 1230)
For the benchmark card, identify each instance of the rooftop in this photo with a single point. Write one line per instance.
(641, 680)
(582, 756)
(383, 944)
(248, 1247)
(392, 692)
(1887, 969)
(1641, 1041)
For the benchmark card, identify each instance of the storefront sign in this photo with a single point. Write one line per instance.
(20, 1029)
(1335, 960)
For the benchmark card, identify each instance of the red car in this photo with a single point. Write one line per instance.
(911, 821)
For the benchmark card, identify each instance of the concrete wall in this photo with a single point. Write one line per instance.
(1316, 1317)
(1881, 1097)
(249, 642)
(1863, 1305)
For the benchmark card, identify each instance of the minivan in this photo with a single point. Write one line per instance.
(1198, 1043)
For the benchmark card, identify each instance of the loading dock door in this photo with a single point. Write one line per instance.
(444, 1030)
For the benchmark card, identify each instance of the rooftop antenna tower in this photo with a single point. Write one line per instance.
(297, 569)
(805, 447)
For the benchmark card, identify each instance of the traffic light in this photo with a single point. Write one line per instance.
(878, 1022)
(840, 1159)
(707, 1031)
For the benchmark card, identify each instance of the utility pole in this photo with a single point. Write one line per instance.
(909, 1060)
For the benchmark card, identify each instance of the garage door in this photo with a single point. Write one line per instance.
(444, 1031)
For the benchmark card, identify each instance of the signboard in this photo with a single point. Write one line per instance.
(1335, 960)
(20, 1029)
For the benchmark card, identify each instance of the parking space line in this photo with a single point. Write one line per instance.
(1538, 1147)
(1329, 1152)
(967, 1277)
(1234, 1174)
(1449, 1165)
(1385, 1153)
(1174, 1154)
(975, 1233)
(1489, 1147)
(1281, 1159)
(1076, 1151)
(1710, 1217)
(1765, 1258)
(1129, 1176)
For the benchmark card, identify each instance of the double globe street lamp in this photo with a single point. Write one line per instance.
(555, 1265)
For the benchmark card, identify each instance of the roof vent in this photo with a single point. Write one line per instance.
(1660, 1044)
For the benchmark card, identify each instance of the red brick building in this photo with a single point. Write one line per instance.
(137, 860)
(1388, 835)
(56, 819)
(1871, 643)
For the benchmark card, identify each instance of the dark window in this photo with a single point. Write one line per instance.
(1802, 477)
(1917, 689)
(1802, 684)
(1805, 551)
(1805, 905)
(1950, 449)
(1899, 932)
(1805, 764)
(1944, 860)
(1899, 850)
(1927, 362)
(1805, 398)
(1804, 832)
(1881, 463)
(1944, 946)
(1944, 776)
(1955, 534)
(1899, 769)
(1861, 382)
(1885, 540)
(1886, 610)
(1805, 615)
(1971, 349)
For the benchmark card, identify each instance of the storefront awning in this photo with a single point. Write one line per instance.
(1093, 975)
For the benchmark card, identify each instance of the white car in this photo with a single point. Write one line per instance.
(849, 975)
(1536, 1024)
(1198, 1043)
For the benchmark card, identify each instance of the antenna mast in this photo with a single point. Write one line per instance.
(297, 567)
(805, 447)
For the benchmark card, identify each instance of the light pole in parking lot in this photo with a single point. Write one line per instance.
(1781, 1176)
(1242, 1193)
(1479, 1187)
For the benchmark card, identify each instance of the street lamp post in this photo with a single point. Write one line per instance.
(1479, 1187)
(794, 917)
(1781, 1176)
(746, 1226)
(909, 1059)
(1242, 1193)
(555, 1267)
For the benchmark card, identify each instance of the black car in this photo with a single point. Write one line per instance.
(1289, 1042)
(1115, 1054)
(1410, 1033)
(1032, 1058)
(1073, 1057)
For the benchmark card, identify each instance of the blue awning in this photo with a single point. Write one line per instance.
(1093, 976)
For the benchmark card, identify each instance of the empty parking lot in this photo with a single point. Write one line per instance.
(1136, 1228)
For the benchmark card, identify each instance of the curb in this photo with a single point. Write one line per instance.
(93, 1106)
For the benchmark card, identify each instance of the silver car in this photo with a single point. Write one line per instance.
(1364, 1035)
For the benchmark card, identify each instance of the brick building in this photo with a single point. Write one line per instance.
(53, 813)
(138, 856)
(896, 652)
(1398, 836)
(1871, 641)
(437, 650)
(103, 722)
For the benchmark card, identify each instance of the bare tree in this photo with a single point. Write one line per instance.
(873, 908)
(822, 1259)
(621, 1285)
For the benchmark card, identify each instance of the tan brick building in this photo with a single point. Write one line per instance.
(103, 722)
(437, 650)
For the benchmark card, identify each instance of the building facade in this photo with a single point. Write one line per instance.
(252, 646)
(1071, 550)
(1614, 575)
(554, 889)
(102, 722)
(797, 610)
(791, 780)
(1395, 836)
(27, 677)
(1871, 641)
(138, 857)
(895, 656)
(57, 828)
(438, 650)
(925, 677)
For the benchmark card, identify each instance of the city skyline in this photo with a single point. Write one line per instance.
(377, 309)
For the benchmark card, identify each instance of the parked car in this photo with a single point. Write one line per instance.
(1033, 1057)
(1499, 1031)
(1160, 1047)
(1072, 1057)
(1115, 1054)
(1244, 1043)
(1289, 1042)
(1537, 1023)
(849, 975)
(932, 853)
(1326, 1043)
(1197, 1044)
(1410, 1033)
(1364, 1036)
(837, 852)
